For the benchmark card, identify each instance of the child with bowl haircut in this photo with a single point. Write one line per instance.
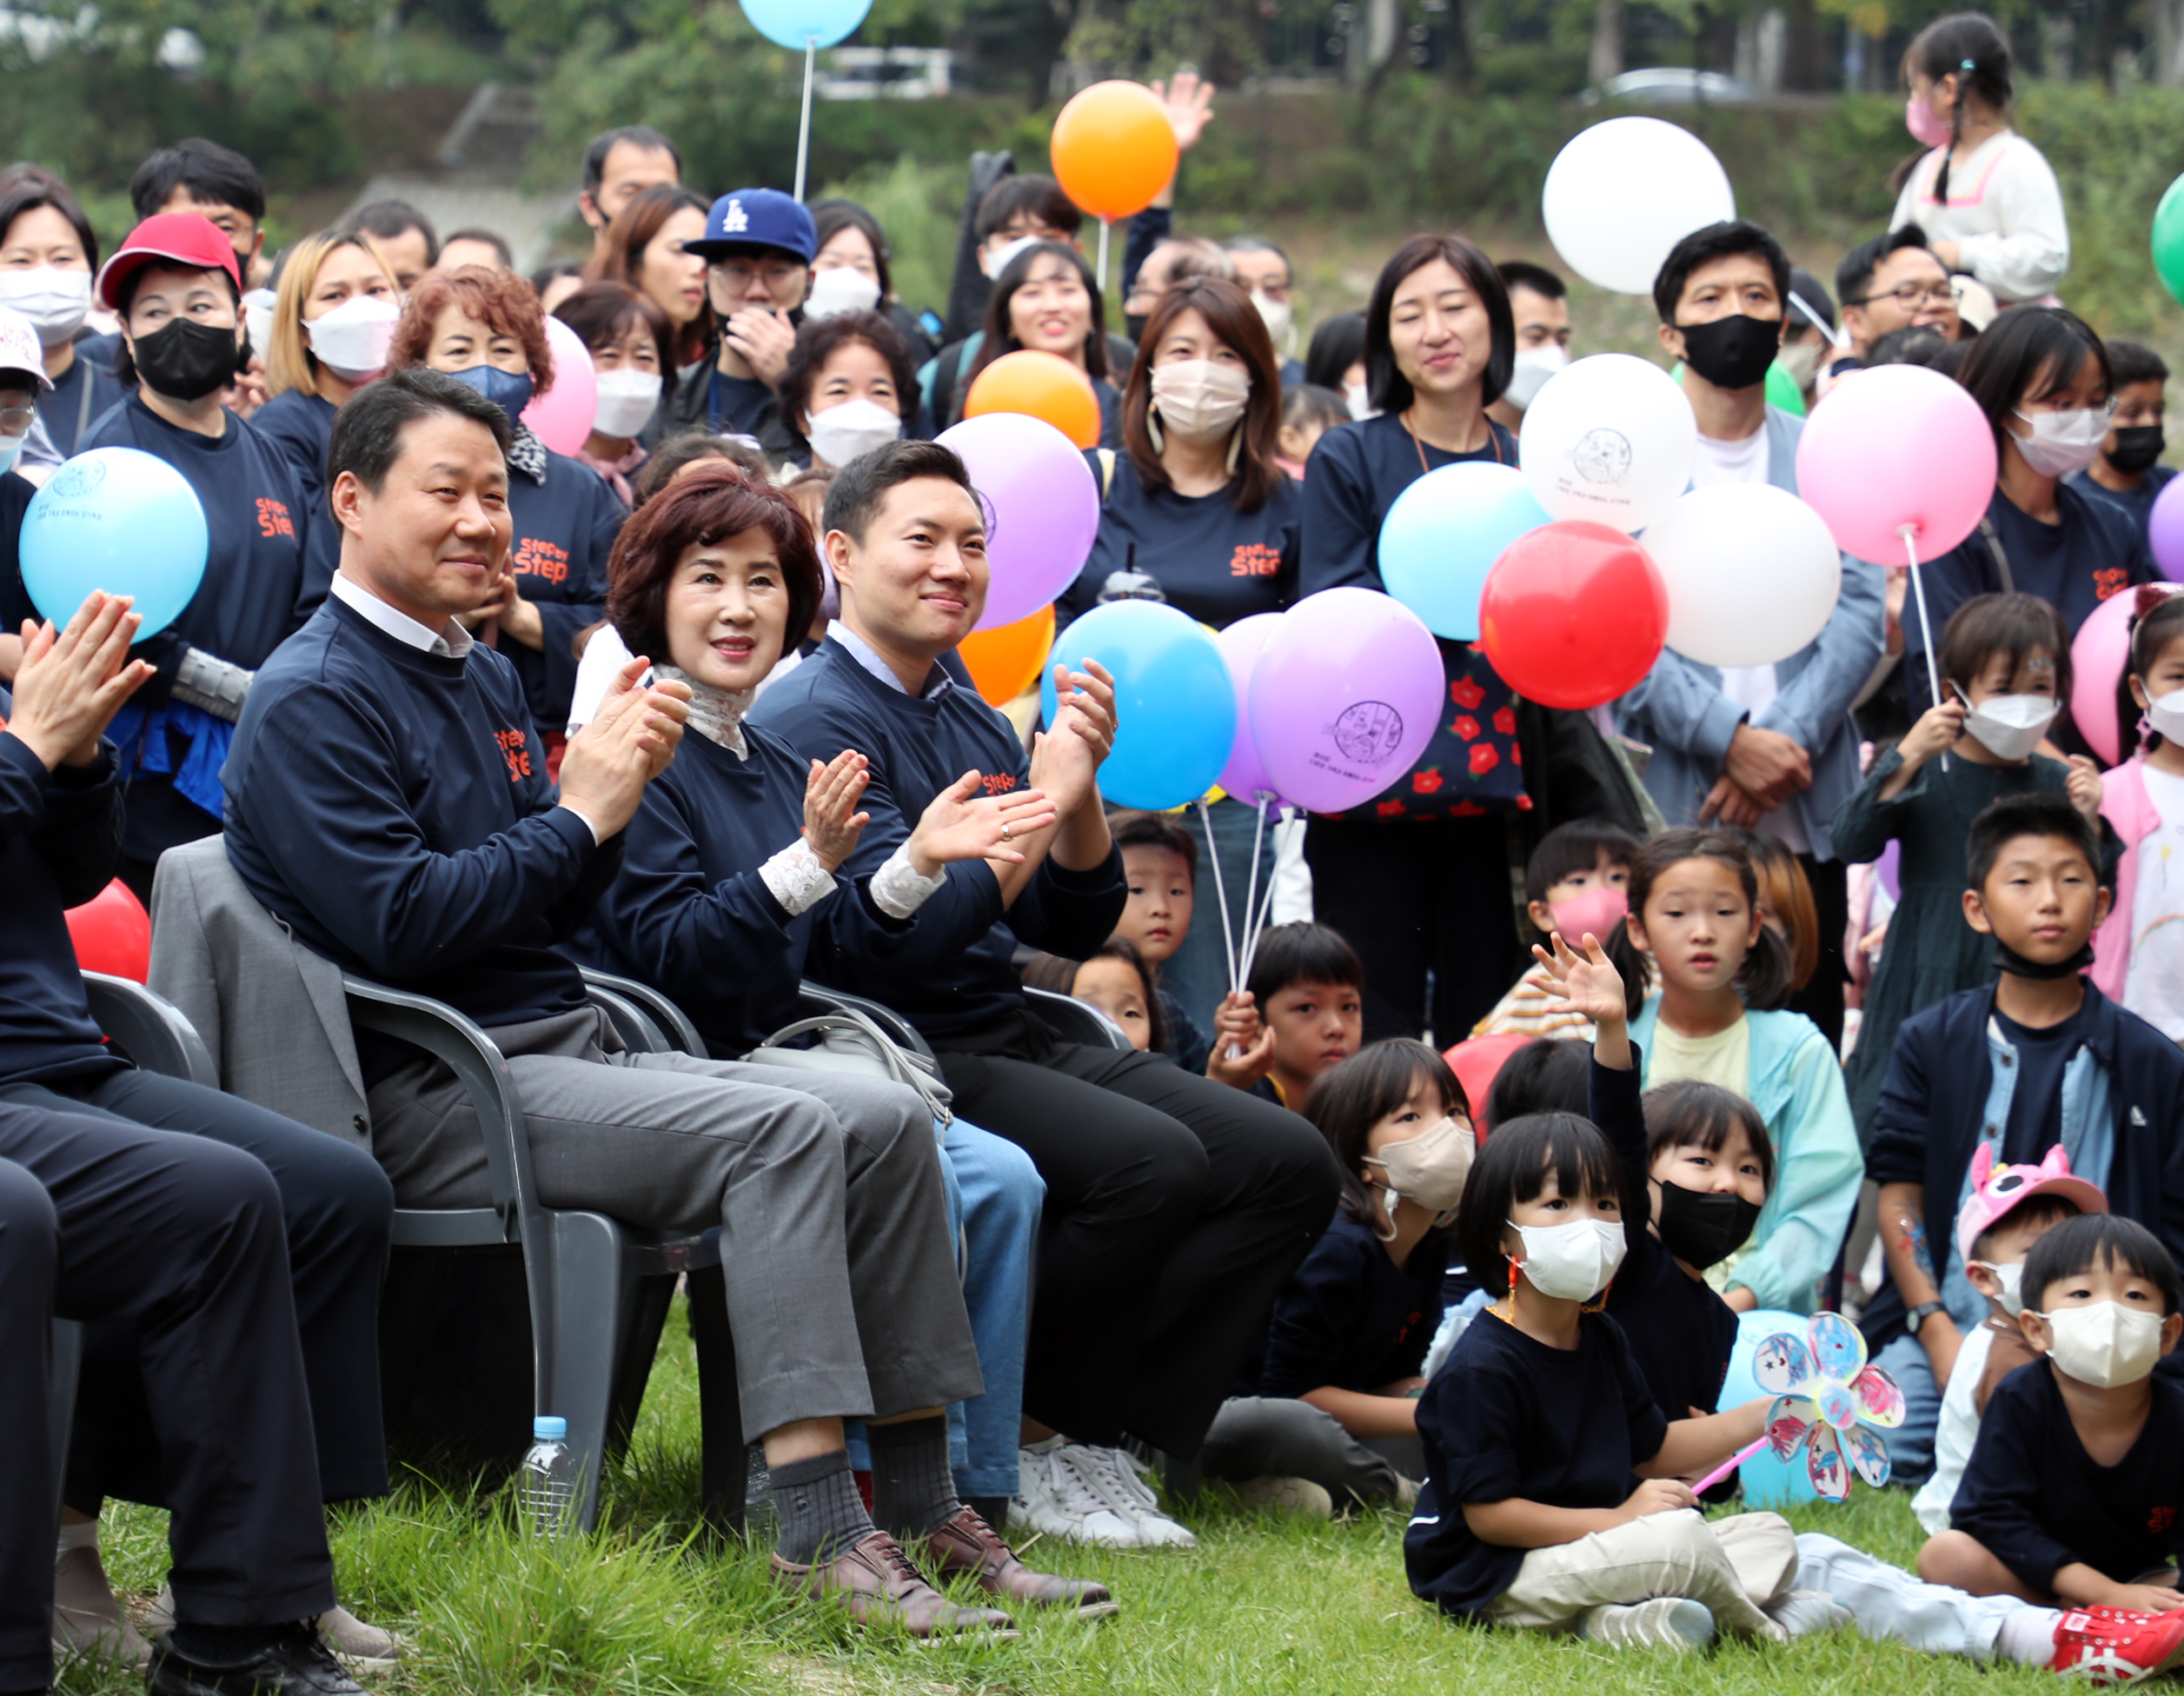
(1302, 1011)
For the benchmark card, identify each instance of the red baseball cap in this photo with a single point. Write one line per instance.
(187, 239)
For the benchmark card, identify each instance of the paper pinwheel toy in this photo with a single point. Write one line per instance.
(1828, 1402)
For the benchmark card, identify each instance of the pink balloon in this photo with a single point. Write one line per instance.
(1245, 777)
(2099, 655)
(1345, 697)
(1044, 509)
(1893, 446)
(561, 418)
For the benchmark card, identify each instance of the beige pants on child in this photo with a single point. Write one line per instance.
(1737, 1566)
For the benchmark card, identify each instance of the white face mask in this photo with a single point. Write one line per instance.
(351, 340)
(1529, 374)
(996, 260)
(1199, 400)
(1276, 314)
(1801, 360)
(11, 446)
(1360, 406)
(841, 433)
(257, 321)
(2167, 716)
(2106, 1344)
(840, 290)
(2012, 1279)
(1429, 1168)
(2011, 726)
(54, 300)
(2061, 443)
(627, 401)
(1572, 1262)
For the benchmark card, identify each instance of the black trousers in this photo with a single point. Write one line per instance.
(179, 1240)
(338, 1209)
(1419, 896)
(1821, 1000)
(1176, 1209)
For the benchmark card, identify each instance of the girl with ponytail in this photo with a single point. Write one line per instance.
(2138, 955)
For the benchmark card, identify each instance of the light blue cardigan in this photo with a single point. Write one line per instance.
(1797, 1084)
(1680, 711)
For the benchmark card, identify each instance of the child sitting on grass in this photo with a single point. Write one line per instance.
(1302, 1011)
(2009, 1209)
(1574, 883)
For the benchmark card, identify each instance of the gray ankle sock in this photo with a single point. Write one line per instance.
(912, 1489)
(822, 1513)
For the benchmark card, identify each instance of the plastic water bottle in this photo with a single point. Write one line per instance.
(548, 1481)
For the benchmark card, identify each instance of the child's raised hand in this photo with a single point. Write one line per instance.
(1659, 1495)
(1589, 985)
(1936, 731)
(2083, 786)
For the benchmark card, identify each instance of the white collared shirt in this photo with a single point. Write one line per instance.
(452, 642)
(937, 685)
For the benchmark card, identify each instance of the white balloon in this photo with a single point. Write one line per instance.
(1612, 439)
(1752, 572)
(1620, 195)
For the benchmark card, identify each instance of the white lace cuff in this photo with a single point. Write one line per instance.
(898, 891)
(795, 877)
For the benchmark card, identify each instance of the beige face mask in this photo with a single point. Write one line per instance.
(1429, 1168)
(1199, 400)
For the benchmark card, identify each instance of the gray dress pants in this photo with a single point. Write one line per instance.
(841, 1281)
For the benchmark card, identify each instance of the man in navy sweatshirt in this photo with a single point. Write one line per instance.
(1176, 1207)
(387, 798)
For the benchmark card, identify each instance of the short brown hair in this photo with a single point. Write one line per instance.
(2014, 625)
(818, 339)
(1229, 315)
(501, 301)
(602, 312)
(711, 504)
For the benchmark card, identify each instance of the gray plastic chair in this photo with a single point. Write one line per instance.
(1076, 1021)
(671, 1025)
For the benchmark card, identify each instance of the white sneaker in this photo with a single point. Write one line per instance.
(1665, 1622)
(1803, 1612)
(88, 1620)
(360, 1647)
(1054, 1499)
(1118, 1479)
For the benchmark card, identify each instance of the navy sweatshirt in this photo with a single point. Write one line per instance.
(690, 914)
(2036, 1500)
(1349, 1318)
(565, 529)
(60, 843)
(392, 806)
(301, 427)
(16, 491)
(1217, 563)
(82, 395)
(917, 747)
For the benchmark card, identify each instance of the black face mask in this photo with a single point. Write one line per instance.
(1701, 1228)
(187, 360)
(2018, 967)
(1133, 324)
(2137, 446)
(1733, 352)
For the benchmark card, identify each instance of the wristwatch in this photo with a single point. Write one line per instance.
(1920, 1315)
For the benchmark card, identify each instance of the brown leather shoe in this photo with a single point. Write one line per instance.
(968, 1547)
(875, 1580)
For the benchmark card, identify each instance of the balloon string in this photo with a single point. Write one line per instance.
(1926, 627)
(1220, 893)
(1264, 909)
(804, 128)
(1251, 898)
(1103, 258)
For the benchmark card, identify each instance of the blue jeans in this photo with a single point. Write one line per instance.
(1911, 1443)
(1198, 973)
(995, 1195)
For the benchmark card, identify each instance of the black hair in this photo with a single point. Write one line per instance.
(1811, 290)
(2107, 1241)
(1347, 1101)
(1041, 196)
(213, 174)
(1000, 334)
(2034, 1209)
(1914, 344)
(1337, 344)
(1306, 404)
(688, 447)
(387, 220)
(1855, 275)
(1573, 847)
(1968, 46)
(1122, 948)
(498, 244)
(1157, 830)
(2028, 354)
(1390, 389)
(1690, 1114)
(367, 430)
(552, 272)
(640, 137)
(860, 486)
(818, 339)
(1513, 1167)
(2151, 631)
(1718, 241)
(24, 194)
(1548, 1075)
(831, 218)
(2033, 813)
(1523, 274)
(2012, 625)
(1302, 953)
(1763, 980)
(2128, 362)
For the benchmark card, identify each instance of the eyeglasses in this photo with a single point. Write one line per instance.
(1912, 296)
(17, 420)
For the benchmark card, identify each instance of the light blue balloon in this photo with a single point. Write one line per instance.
(120, 520)
(1443, 535)
(1767, 1482)
(1175, 704)
(797, 23)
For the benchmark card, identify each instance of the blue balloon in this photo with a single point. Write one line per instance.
(119, 519)
(799, 23)
(1175, 704)
(1443, 535)
(1767, 1482)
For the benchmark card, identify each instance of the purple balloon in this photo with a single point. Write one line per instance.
(1245, 777)
(2165, 530)
(1345, 697)
(1043, 508)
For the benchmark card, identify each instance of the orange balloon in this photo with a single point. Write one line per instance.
(1113, 149)
(1044, 385)
(1005, 660)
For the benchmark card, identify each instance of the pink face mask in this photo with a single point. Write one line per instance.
(1926, 129)
(1595, 910)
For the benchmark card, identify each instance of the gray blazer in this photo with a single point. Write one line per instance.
(272, 1012)
(1681, 711)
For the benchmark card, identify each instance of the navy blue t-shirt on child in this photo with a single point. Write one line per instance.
(1215, 563)
(1350, 1317)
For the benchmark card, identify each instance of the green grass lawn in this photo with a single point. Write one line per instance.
(1263, 1606)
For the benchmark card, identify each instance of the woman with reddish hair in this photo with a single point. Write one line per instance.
(485, 329)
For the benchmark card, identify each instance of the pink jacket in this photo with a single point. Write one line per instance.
(2125, 804)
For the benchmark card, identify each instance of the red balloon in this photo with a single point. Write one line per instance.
(1476, 1061)
(113, 933)
(1574, 614)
